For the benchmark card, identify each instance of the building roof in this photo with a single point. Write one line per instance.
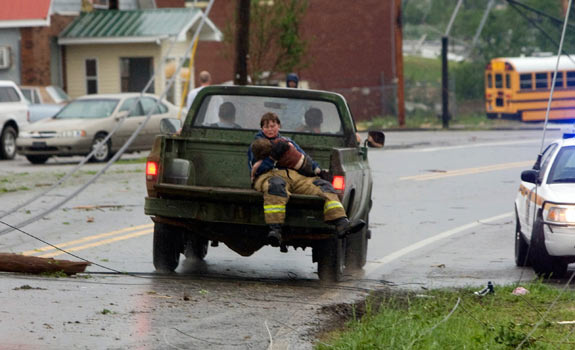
(25, 13)
(136, 26)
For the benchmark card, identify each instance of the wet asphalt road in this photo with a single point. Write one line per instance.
(441, 217)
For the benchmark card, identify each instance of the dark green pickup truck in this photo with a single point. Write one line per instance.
(199, 188)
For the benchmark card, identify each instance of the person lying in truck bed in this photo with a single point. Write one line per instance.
(291, 158)
(276, 183)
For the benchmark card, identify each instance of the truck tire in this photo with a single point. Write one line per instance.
(521, 246)
(105, 152)
(356, 248)
(330, 259)
(37, 159)
(544, 264)
(196, 248)
(167, 247)
(8, 143)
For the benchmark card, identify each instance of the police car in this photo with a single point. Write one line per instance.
(545, 211)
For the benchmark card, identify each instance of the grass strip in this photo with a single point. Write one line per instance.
(406, 320)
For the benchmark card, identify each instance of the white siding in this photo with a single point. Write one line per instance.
(108, 57)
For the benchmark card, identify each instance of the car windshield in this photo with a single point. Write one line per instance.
(296, 115)
(563, 170)
(88, 108)
(57, 94)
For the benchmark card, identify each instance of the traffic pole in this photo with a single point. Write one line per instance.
(444, 83)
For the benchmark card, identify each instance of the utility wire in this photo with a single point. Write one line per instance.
(539, 12)
(536, 25)
(126, 144)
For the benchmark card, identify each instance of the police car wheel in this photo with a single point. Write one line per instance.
(521, 246)
(166, 247)
(544, 265)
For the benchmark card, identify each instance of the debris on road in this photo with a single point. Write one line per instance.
(520, 291)
(487, 290)
(10, 262)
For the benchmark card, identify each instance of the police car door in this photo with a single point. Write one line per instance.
(528, 205)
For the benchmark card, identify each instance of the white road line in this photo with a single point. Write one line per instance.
(373, 265)
(492, 144)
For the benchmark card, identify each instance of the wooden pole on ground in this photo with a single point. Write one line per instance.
(32, 264)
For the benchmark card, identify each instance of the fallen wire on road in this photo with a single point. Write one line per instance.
(271, 346)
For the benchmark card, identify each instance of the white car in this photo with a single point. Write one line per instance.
(14, 115)
(545, 211)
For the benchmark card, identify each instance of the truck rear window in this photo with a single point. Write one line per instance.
(245, 112)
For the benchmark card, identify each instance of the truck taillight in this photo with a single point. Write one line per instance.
(151, 170)
(338, 182)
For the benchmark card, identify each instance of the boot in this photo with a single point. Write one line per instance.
(275, 235)
(344, 227)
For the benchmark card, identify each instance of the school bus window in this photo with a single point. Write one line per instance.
(558, 80)
(541, 80)
(489, 81)
(507, 81)
(525, 81)
(498, 81)
(570, 79)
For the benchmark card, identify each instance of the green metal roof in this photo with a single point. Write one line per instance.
(134, 26)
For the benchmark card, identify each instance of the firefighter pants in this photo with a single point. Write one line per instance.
(278, 184)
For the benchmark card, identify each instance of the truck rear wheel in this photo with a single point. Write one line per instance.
(330, 259)
(356, 248)
(196, 248)
(167, 247)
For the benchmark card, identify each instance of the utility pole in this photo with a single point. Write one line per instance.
(399, 64)
(565, 4)
(242, 42)
(445, 69)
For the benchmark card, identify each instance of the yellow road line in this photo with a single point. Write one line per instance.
(99, 243)
(86, 239)
(467, 171)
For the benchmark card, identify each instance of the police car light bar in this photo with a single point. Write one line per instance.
(568, 135)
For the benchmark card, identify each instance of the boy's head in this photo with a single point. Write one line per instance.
(270, 124)
(261, 148)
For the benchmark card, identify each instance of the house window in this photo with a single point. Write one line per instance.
(91, 76)
(135, 73)
(105, 4)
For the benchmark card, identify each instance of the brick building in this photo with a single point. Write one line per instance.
(351, 51)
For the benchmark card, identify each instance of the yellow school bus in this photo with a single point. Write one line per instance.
(519, 88)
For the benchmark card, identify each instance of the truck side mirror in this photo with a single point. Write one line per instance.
(531, 176)
(170, 126)
(376, 139)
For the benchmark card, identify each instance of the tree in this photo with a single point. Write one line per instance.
(275, 44)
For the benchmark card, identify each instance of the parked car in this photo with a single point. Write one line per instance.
(85, 122)
(13, 116)
(545, 211)
(45, 101)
